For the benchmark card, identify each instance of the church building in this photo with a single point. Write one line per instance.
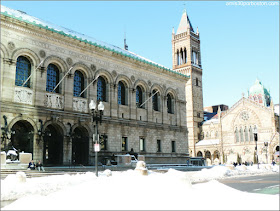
(246, 132)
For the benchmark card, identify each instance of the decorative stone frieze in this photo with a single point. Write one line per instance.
(80, 104)
(23, 95)
(53, 100)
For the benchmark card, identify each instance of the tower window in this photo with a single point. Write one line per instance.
(196, 81)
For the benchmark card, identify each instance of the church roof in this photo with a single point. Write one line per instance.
(184, 23)
(259, 90)
(22, 16)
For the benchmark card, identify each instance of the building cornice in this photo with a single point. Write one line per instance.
(79, 41)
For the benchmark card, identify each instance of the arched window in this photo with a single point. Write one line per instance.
(121, 94)
(23, 71)
(236, 135)
(196, 81)
(79, 84)
(246, 134)
(241, 135)
(52, 78)
(251, 134)
(139, 97)
(101, 89)
(155, 100)
(170, 104)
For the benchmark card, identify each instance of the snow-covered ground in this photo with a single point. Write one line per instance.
(128, 190)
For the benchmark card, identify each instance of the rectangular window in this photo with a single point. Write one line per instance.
(124, 143)
(103, 140)
(158, 146)
(142, 144)
(173, 146)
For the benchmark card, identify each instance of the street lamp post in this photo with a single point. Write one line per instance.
(256, 140)
(266, 145)
(96, 117)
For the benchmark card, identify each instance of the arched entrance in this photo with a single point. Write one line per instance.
(53, 145)
(216, 155)
(208, 157)
(80, 146)
(22, 136)
(199, 154)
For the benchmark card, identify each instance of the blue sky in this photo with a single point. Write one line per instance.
(238, 43)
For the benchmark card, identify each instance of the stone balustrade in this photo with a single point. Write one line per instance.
(53, 100)
(23, 95)
(80, 104)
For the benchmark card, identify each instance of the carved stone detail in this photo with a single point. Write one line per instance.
(132, 78)
(11, 45)
(69, 61)
(80, 104)
(54, 101)
(42, 53)
(244, 115)
(114, 73)
(92, 67)
(23, 95)
(149, 83)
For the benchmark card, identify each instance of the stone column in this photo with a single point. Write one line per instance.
(8, 82)
(68, 94)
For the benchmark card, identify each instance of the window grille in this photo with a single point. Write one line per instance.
(52, 78)
(23, 71)
(101, 89)
(79, 82)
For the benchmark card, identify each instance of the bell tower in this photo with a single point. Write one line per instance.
(187, 60)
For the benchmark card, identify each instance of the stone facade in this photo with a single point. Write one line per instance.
(56, 126)
(229, 136)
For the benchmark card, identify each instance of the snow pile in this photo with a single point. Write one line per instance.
(129, 190)
(14, 186)
(221, 172)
